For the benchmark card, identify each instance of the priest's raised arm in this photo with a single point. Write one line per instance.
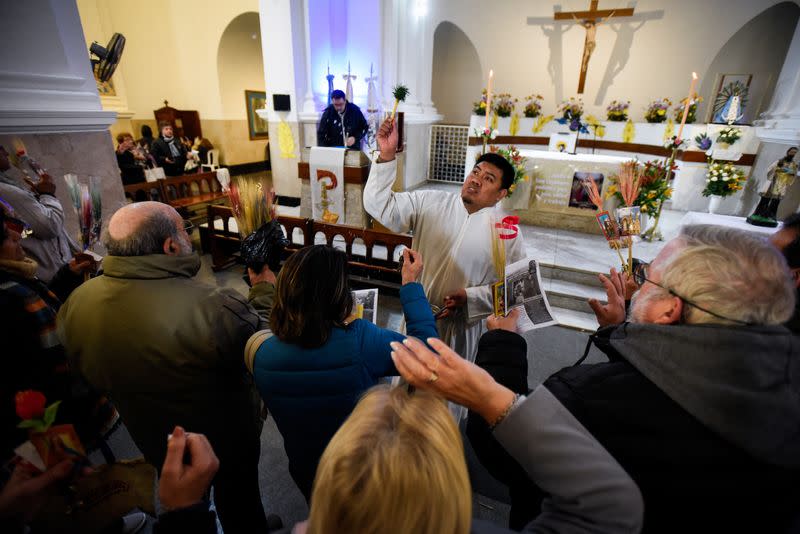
(454, 232)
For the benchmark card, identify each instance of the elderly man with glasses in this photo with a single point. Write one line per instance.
(169, 350)
(699, 401)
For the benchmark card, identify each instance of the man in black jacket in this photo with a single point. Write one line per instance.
(168, 151)
(342, 123)
(700, 399)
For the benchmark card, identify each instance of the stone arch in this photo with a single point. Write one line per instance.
(759, 48)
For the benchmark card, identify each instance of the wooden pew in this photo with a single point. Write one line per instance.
(185, 192)
(144, 191)
(220, 236)
(222, 242)
(366, 265)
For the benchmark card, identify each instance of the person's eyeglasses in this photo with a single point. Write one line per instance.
(640, 277)
(188, 226)
(19, 226)
(639, 268)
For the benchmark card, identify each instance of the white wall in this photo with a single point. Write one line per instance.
(46, 82)
(171, 51)
(654, 52)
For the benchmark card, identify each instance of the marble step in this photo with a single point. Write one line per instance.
(576, 320)
(569, 274)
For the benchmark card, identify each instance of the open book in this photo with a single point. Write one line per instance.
(522, 287)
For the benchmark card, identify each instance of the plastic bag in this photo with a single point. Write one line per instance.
(264, 247)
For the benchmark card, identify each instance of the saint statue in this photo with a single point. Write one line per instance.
(781, 175)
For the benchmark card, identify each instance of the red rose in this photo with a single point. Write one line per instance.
(30, 404)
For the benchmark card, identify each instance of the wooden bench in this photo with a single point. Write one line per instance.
(220, 238)
(189, 190)
(144, 191)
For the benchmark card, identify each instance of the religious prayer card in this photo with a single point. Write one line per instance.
(365, 305)
(523, 288)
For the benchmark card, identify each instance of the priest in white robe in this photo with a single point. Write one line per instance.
(454, 234)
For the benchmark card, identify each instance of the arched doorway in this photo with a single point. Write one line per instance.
(456, 79)
(240, 68)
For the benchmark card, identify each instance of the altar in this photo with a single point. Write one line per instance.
(628, 140)
(553, 195)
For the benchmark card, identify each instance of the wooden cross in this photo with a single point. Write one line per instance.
(589, 20)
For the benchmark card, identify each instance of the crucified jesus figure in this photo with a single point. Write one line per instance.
(589, 20)
(589, 44)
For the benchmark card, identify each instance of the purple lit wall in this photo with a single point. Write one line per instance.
(342, 31)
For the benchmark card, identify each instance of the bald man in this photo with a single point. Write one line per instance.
(168, 350)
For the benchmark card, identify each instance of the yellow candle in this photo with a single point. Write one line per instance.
(688, 103)
(489, 98)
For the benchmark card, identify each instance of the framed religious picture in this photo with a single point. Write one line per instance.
(579, 196)
(730, 99)
(563, 142)
(258, 127)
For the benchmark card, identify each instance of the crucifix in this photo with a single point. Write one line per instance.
(349, 88)
(589, 20)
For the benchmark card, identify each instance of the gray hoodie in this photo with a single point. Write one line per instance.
(741, 382)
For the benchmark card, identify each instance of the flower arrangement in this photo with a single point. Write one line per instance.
(723, 179)
(617, 111)
(691, 117)
(657, 110)
(487, 134)
(503, 104)
(571, 109)
(479, 107)
(729, 135)
(517, 161)
(703, 142)
(533, 106)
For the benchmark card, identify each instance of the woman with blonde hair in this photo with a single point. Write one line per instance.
(396, 465)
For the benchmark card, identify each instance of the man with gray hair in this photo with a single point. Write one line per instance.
(699, 401)
(168, 350)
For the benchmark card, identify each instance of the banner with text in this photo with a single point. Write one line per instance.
(326, 174)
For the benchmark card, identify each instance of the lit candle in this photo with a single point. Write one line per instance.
(688, 103)
(489, 98)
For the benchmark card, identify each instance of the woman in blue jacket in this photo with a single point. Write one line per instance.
(315, 367)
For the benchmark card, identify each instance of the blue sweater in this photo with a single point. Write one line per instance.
(310, 392)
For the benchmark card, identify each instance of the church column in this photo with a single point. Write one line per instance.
(408, 59)
(779, 128)
(283, 43)
(309, 116)
(49, 100)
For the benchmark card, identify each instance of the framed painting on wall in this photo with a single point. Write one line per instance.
(257, 126)
(729, 87)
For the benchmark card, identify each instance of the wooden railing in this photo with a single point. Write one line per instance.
(222, 243)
